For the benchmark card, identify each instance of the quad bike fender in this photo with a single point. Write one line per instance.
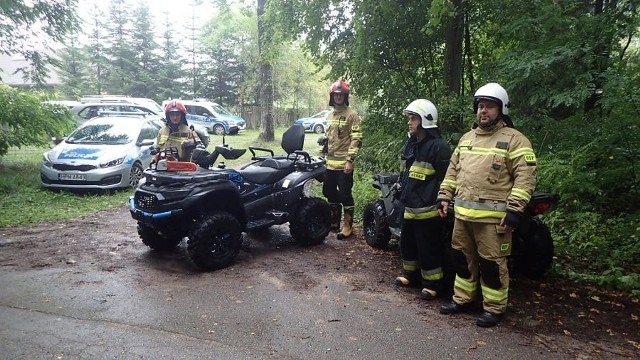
(222, 197)
(299, 178)
(158, 206)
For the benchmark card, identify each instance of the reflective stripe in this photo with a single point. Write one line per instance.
(493, 294)
(422, 166)
(475, 150)
(410, 265)
(449, 184)
(468, 286)
(432, 275)
(477, 214)
(521, 152)
(178, 136)
(493, 205)
(420, 213)
(336, 163)
(420, 170)
(521, 194)
(175, 136)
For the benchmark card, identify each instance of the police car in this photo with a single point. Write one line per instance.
(212, 116)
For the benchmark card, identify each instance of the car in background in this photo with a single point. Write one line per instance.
(146, 102)
(89, 110)
(104, 153)
(316, 123)
(213, 116)
(86, 111)
(67, 103)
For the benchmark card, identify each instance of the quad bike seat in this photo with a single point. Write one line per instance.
(269, 170)
(277, 163)
(293, 139)
(258, 174)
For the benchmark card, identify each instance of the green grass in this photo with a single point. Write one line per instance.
(23, 201)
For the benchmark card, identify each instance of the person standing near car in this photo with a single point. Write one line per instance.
(344, 140)
(176, 132)
(425, 158)
(492, 175)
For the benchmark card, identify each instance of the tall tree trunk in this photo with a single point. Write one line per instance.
(453, 51)
(266, 81)
(600, 55)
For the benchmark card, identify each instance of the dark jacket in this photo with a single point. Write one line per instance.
(425, 164)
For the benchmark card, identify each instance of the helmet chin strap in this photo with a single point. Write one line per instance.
(488, 125)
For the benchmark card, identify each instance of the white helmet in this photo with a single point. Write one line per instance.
(492, 92)
(427, 111)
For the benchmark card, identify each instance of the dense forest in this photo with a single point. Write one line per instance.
(571, 67)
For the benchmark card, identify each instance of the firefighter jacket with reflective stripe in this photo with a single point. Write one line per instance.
(344, 137)
(491, 171)
(425, 164)
(167, 138)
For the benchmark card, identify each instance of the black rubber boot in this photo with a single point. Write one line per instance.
(454, 308)
(336, 214)
(488, 319)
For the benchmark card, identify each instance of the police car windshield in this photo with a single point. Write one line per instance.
(106, 133)
(153, 106)
(220, 110)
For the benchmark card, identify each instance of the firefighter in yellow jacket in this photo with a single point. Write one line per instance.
(176, 133)
(344, 139)
(492, 176)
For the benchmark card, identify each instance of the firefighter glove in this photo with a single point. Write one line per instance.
(512, 219)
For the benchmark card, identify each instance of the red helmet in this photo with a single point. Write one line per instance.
(339, 87)
(175, 105)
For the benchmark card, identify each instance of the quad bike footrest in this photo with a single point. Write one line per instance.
(260, 223)
(279, 217)
(271, 217)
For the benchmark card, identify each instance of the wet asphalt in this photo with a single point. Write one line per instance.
(274, 305)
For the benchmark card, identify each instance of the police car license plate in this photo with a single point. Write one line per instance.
(76, 177)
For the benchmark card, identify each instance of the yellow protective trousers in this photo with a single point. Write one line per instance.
(480, 252)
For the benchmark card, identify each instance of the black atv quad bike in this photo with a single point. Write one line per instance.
(213, 207)
(532, 245)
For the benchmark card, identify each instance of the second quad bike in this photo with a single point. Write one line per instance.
(532, 245)
(212, 208)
